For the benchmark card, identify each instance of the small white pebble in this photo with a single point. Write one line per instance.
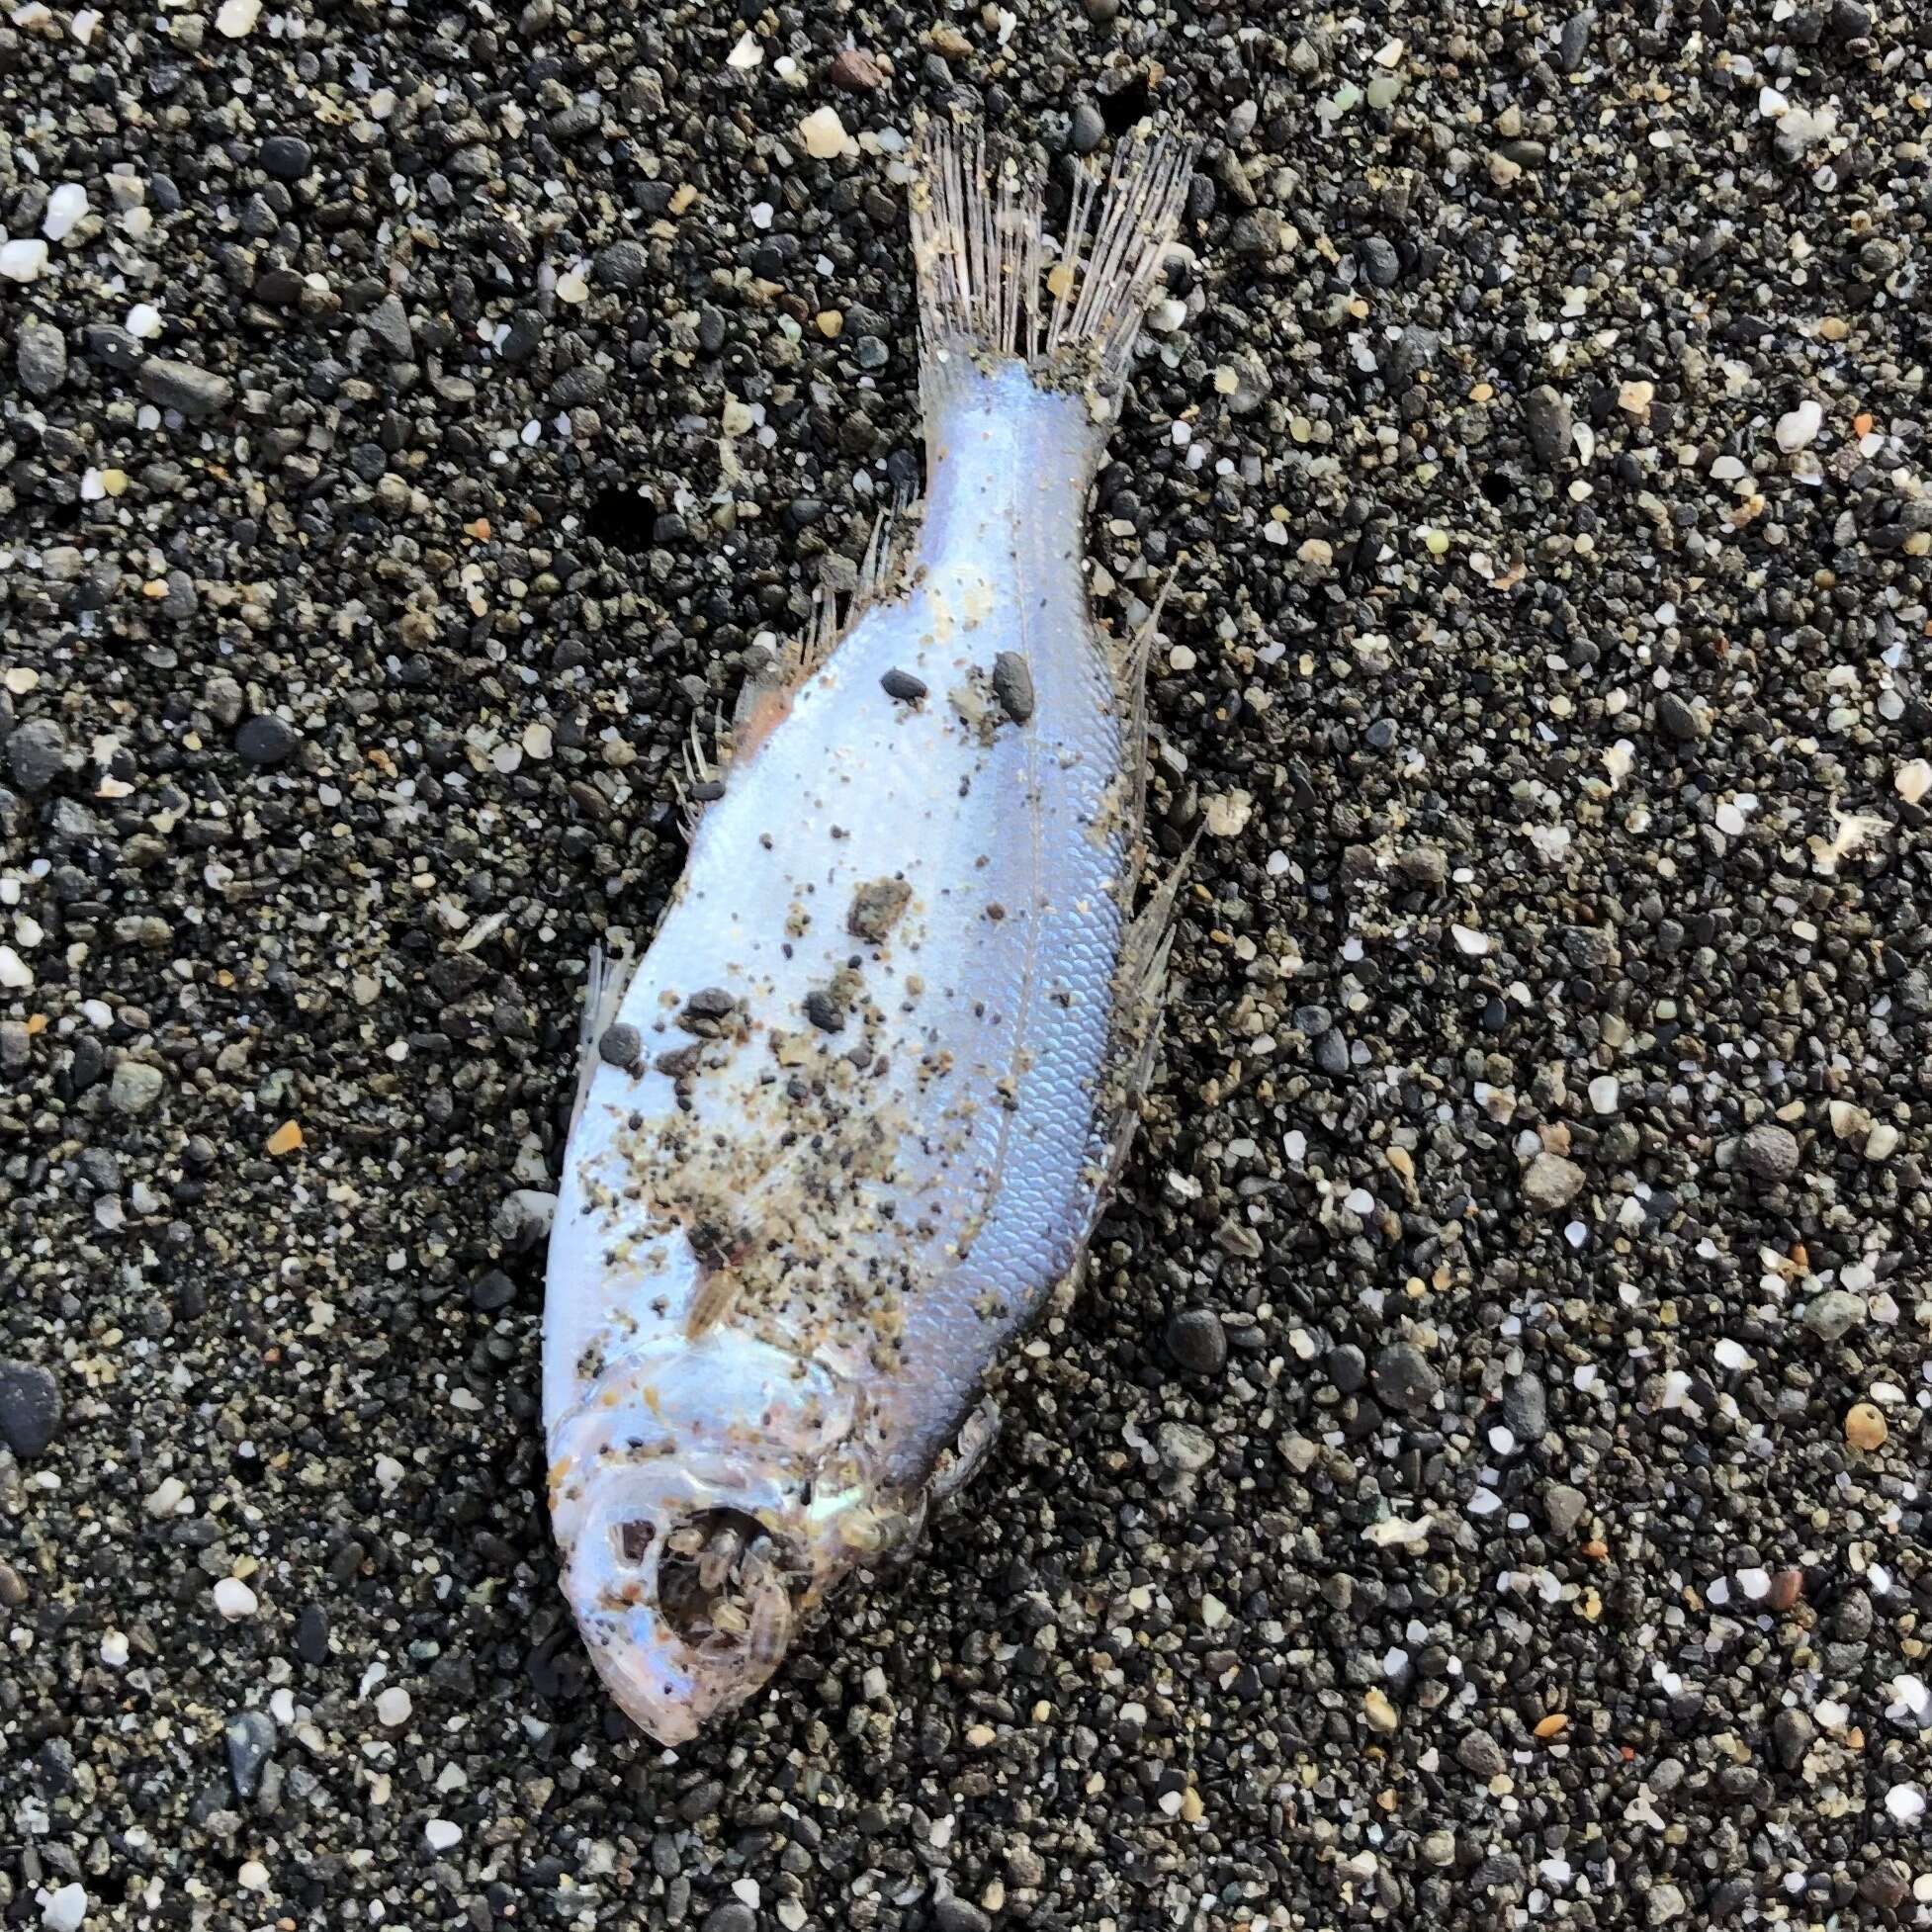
(1469, 940)
(114, 1649)
(823, 133)
(143, 321)
(234, 1600)
(22, 261)
(16, 976)
(165, 1497)
(747, 53)
(442, 1834)
(64, 1909)
(237, 18)
(1797, 428)
(66, 208)
(1604, 1093)
(1913, 780)
(388, 1472)
(253, 1876)
(393, 1706)
(1731, 1354)
(1755, 1583)
(1905, 1802)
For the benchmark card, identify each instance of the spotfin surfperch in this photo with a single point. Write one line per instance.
(856, 1111)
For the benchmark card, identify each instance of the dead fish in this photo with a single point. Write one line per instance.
(883, 1052)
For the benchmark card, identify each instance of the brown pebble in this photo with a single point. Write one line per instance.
(876, 907)
(1865, 1426)
(1787, 1586)
(856, 71)
(13, 1590)
(1012, 685)
(902, 684)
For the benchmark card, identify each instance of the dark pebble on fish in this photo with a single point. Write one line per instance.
(826, 1010)
(1012, 685)
(619, 1045)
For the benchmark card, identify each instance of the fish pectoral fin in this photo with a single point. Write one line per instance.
(604, 993)
(764, 700)
(977, 1436)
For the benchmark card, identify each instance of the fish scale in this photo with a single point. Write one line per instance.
(889, 1025)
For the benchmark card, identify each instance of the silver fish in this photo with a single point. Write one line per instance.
(856, 1113)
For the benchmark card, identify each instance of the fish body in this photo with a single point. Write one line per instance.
(854, 1115)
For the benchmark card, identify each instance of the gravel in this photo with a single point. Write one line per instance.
(442, 423)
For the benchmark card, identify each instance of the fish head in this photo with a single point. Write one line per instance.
(704, 1496)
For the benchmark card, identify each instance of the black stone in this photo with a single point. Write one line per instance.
(265, 739)
(29, 1408)
(1197, 1341)
(251, 1738)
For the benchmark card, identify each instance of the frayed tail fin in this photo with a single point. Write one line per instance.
(994, 282)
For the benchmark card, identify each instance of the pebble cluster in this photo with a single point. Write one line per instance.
(1482, 1480)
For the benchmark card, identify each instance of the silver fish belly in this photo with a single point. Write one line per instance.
(856, 1113)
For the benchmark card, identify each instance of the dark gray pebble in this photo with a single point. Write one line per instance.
(826, 1010)
(251, 1738)
(1087, 129)
(288, 158)
(1403, 1379)
(1676, 719)
(902, 684)
(40, 356)
(1769, 1151)
(1348, 1367)
(266, 740)
(1546, 417)
(311, 1635)
(1197, 1340)
(1525, 1408)
(181, 386)
(620, 1044)
(1380, 262)
(1012, 685)
(623, 265)
(492, 1291)
(36, 754)
(29, 1408)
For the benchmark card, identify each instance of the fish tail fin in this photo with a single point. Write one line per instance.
(994, 281)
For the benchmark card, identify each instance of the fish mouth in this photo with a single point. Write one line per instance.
(687, 1611)
(691, 1547)
(689, 1595)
